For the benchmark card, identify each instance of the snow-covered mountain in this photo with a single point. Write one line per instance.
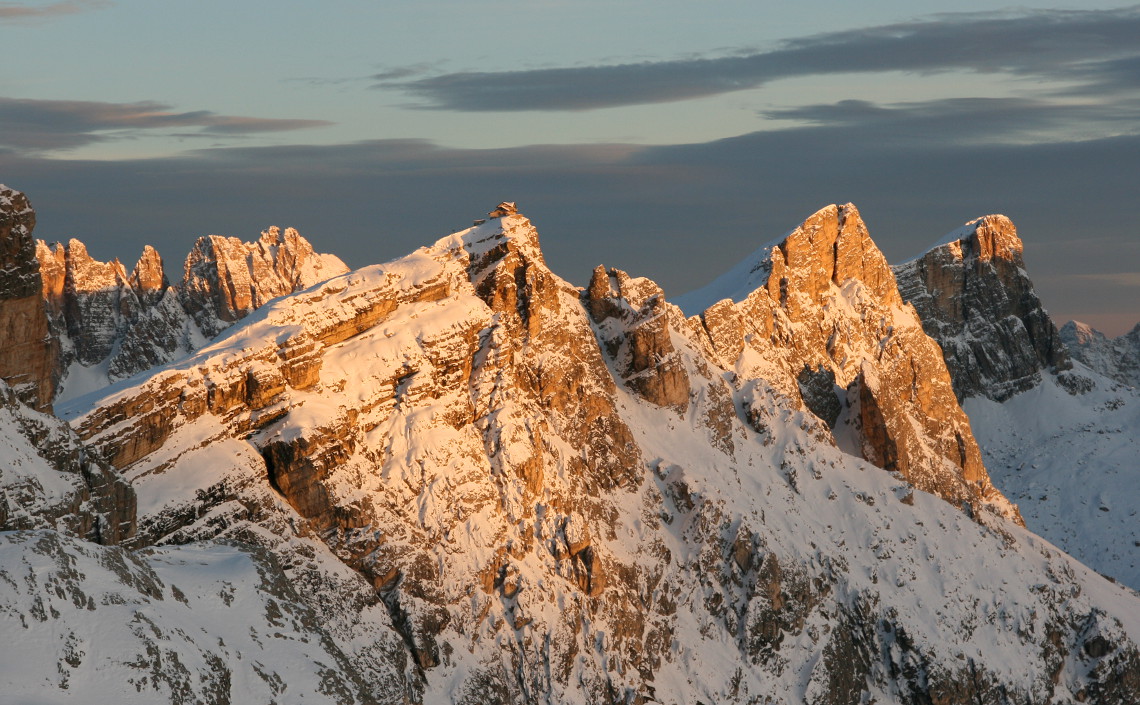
(102, 324)
(1058, 437)
(1116, 358)
(975, 298)
(455, 477)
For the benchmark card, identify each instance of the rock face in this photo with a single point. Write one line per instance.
(974, 297)
(521, 513)
(48, 479)
(638, 338)
(1117, 359)
(818, 316)
(30, 353)
(111, 325)
(208, 623)
(226, 278)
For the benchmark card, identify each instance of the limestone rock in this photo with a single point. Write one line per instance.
(120, 324)
(1116, 358)
(30, 353)
(634, 323)
(226, 278)
(48, 479)
(456, 430)
(975, 298)
(819, 317)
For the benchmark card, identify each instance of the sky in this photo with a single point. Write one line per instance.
(668, 138)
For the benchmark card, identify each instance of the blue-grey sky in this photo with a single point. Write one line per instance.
(666, 137)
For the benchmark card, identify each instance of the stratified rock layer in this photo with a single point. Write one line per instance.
(535, 520)
(818, 315)
(29, 357)
(974, 297)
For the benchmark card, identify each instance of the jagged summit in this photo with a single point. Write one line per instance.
(974, 297)
(811, 250)
(108, 324)
(818, 315)
(461, 479)
(986, 237)
(1116, 358)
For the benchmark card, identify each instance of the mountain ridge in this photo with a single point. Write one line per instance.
(492, 486)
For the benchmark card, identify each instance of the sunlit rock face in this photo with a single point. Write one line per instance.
(818, 315)
(491, 486)
(109, 324)
(225, 279)
(974, 297)
(30, 353)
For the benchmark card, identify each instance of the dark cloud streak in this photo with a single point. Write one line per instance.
(15, 11)
(47, 125)
(1040, 44)
(678, 214)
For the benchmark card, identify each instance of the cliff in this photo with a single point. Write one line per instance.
(974, 297)
(585, 496)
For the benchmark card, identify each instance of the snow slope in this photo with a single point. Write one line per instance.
(1070, 462)
(204, 623)
(444, 434)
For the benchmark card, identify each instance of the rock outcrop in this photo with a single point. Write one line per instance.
(30, 352)
(974, 297)
(1116, 358)
(532, 517)
(109, 325)
(225, 279)
(48, 479)
(635, 325)
(818, 315)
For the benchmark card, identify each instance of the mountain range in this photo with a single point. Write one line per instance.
(456, 477)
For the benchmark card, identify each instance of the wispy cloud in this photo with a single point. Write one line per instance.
(17, 11)
(47, 125)
(1125, 279)
(1091, 47)
(952, 121)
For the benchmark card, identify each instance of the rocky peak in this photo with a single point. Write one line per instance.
(224, 278)
(30, 352)
(1116, 358)
(825, 325)
(148, 278)
(974, 297)
(634, 322)
(830, 247)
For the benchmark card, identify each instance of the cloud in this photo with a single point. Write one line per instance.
(1093, 47)
(17, 11)
(967, 120)
(52, 125)
(1122, 279)
(680, 215)
(396, 73)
